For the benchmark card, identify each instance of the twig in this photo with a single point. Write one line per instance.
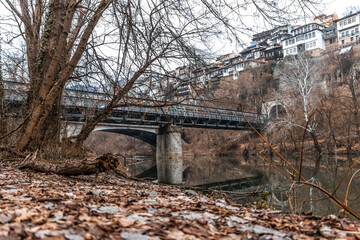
(343, 177)
(348, 187)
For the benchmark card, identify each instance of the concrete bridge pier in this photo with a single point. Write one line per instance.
(169, 157)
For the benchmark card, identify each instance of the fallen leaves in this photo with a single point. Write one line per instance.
(47, 206)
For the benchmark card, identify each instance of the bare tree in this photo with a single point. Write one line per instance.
(351, 9)
(302, 74)
(2, 111)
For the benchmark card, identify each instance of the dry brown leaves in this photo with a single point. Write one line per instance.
(41, 206)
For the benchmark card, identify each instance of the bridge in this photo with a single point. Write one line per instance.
(143, 118)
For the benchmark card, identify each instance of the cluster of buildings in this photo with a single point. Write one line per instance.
(326, 32)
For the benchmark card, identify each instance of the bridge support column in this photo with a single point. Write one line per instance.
(169, 158)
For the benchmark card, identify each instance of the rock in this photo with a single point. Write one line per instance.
(134, 236)
(191, 193)
(109, 209)
(138, 218)
(73, 237)
(152, 194)
(5, 218)
(257, 229)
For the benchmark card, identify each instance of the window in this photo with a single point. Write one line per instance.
(306, 36)
(352, 38)
(307, 46)
(286, 42)
(341, 24)
(314, 44)
(287, 52)
(356, 30)
(313, 34)
(347, 33)
(342, 42)
(343, 34)
(353, 19)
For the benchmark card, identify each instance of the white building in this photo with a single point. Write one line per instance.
(348, 29)
(305, 38)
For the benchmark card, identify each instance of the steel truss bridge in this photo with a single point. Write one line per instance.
(80, 104)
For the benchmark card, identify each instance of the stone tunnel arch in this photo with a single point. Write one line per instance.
(274, 109)
(277, 111)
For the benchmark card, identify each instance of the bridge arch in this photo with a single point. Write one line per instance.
(274, 110)
(277, 111)
(145, 136)
(144, 133)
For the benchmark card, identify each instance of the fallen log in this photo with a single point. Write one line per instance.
(75, 167)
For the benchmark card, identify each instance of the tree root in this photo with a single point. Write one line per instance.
(12, 152)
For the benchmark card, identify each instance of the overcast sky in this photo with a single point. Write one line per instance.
(339, 6)
(222, 47)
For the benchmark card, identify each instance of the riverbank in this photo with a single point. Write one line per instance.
(47, 206)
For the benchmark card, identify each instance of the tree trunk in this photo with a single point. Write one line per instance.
(75, 167)
(50, 133)
(316, 143)
(332, 132)
(52, 58)
(2, 110)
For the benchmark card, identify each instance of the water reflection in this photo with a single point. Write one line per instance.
(325, 171)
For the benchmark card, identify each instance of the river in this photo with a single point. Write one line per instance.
(325, 172)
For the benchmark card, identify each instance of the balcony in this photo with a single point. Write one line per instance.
(342, 37)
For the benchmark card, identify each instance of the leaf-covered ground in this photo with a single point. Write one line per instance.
(47, 206)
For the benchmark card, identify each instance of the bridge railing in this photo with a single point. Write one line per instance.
(197, 112)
